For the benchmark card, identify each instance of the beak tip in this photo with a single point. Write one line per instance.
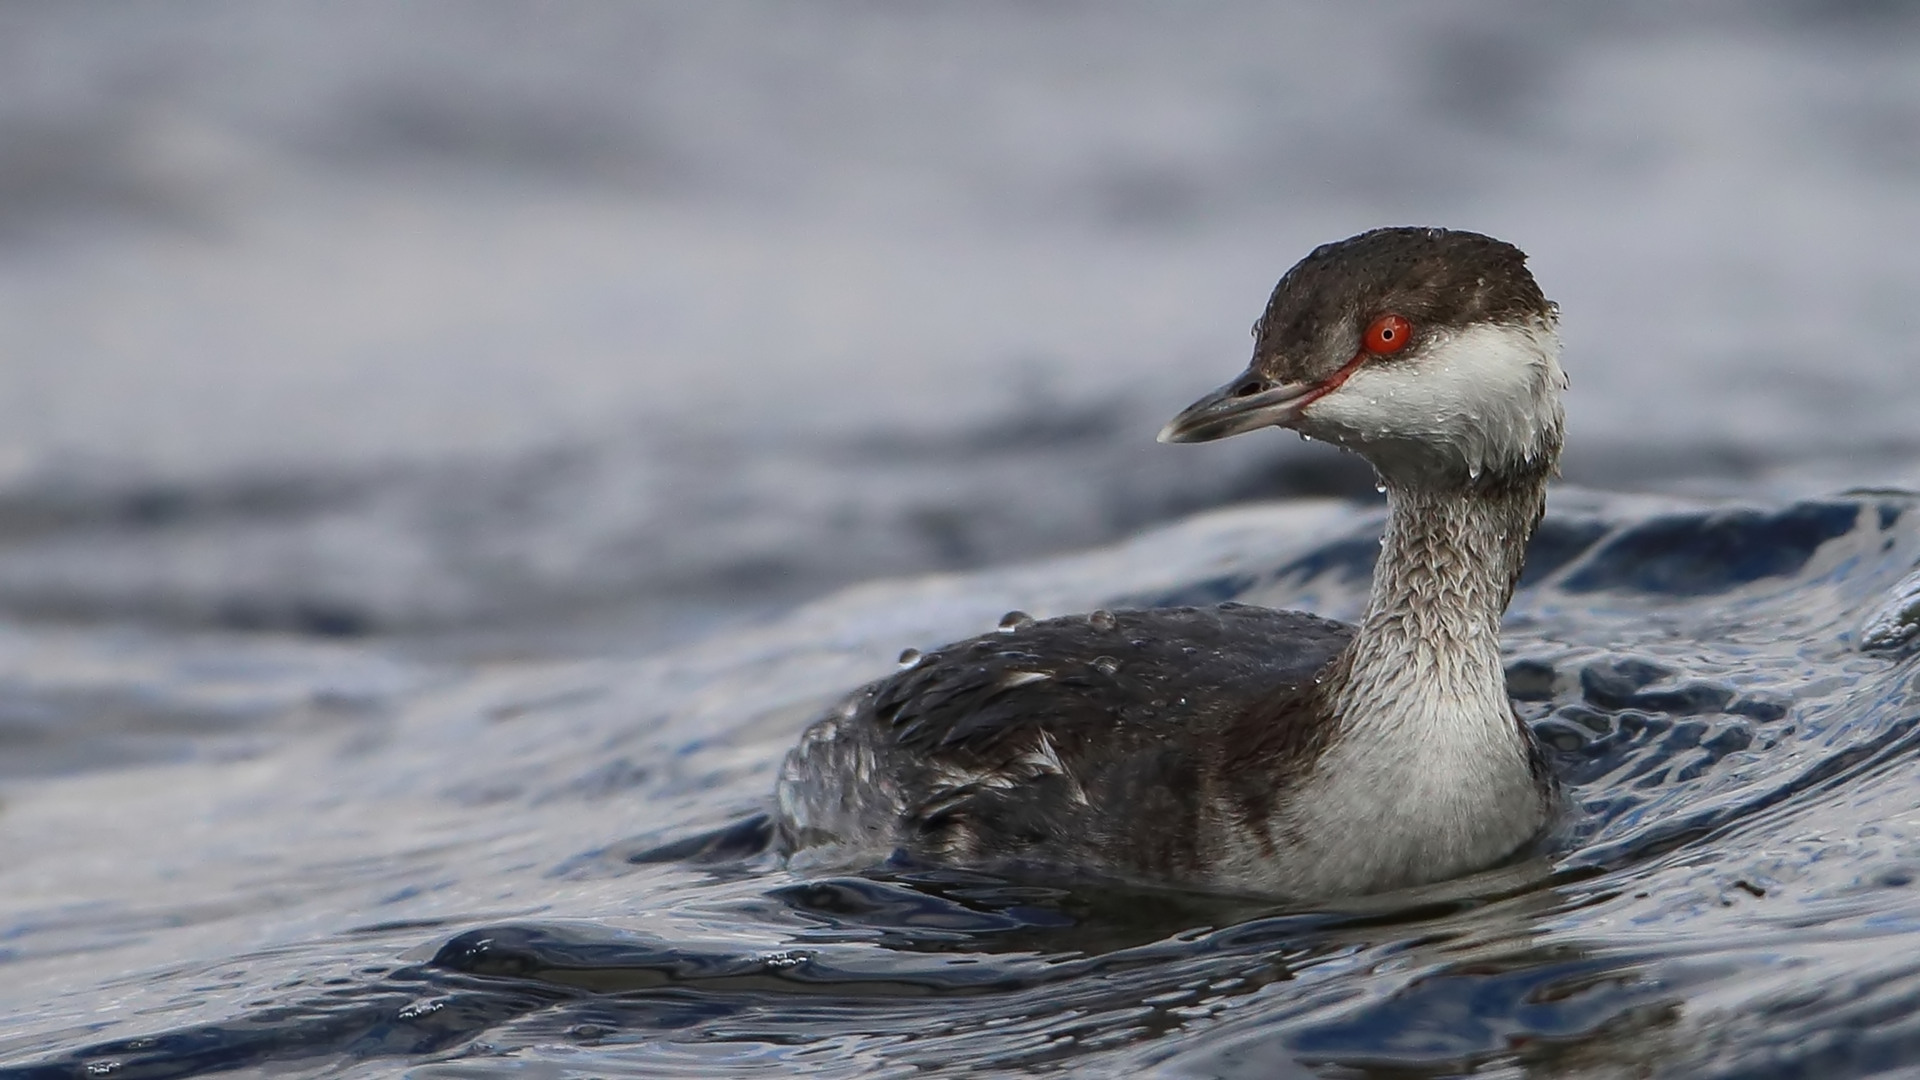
(1173, 433)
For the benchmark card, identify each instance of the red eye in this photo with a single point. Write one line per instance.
(1387, 335)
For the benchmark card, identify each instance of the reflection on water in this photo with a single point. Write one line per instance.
(470, 869)
(417, 430)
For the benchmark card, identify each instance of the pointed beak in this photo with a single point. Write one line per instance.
(1248, 402)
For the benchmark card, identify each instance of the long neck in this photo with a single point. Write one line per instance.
(1428, 647)
(1427, 773)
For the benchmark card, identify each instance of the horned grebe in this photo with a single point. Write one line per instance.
(1237, 747)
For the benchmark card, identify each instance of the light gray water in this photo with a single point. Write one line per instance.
(419, 425)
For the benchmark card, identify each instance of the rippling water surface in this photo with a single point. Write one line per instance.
(441, 447)
(387, 861)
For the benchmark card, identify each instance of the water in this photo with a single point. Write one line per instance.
(376, 322)
(446, 456)
(451, 869)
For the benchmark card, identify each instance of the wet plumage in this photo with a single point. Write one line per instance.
(1237, 747)
(1013, 746)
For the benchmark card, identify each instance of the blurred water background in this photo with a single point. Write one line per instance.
(372, 375)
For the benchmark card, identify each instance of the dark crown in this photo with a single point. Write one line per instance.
(1437, 278)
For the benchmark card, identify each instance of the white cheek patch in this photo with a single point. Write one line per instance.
(1484, 397)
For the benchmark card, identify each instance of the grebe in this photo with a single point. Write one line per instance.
(1241, 748)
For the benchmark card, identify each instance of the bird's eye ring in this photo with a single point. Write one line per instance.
(1387, 335)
